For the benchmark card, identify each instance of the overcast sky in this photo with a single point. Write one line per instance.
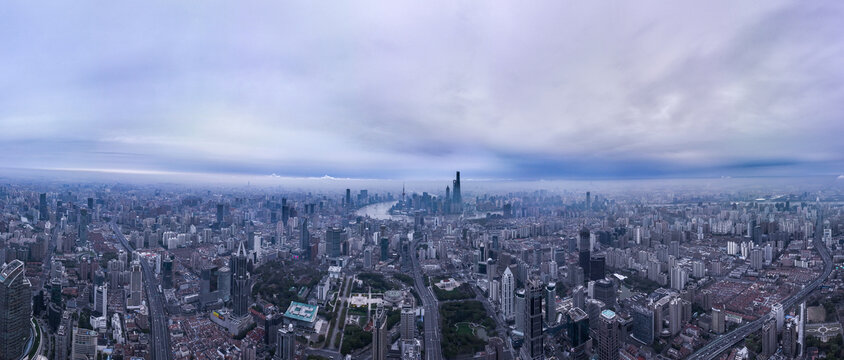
(394, 89)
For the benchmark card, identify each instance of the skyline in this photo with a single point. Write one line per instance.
(400, 91)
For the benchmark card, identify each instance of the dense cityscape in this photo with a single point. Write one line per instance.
(126, 271)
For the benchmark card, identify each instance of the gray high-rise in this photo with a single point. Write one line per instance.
(533, 347)
(15, 310)
(240, 285)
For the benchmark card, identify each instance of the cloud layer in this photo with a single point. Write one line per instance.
(416, 89)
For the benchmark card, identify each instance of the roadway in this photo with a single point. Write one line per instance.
(159, 333)
(433, 350)
(726, 341)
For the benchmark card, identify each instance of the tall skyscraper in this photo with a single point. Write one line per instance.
(508, 284)
(789, 338)
(718, 321)
(240, 285)
(167, 272)
(769, 337)
(588, 201)
(380, 345)
(286, 343)
(519, 310)
(135, 284)
(779, 314)
(643, 324)
(551, 303)
(675, 316)
(220, 214)
(334, 238)
(597, 265)
(578, 332)
(608, 342)
(533, 347)
(42, 207)
(15, 310)
(584, 249)
(408, 322)
(305, 239)
(457, 197)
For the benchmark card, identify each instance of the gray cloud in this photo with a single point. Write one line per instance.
(544, 89)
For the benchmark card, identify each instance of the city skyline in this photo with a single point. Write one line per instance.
(402, 91)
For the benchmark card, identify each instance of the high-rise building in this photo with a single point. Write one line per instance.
(368, 262)
(457, 197)
(789, 338)
(42, 207)
(533, 347)
(240, 285)
(408, 322)
(508, 284)
(608, 342)
(584, 248)
(385, 248)
(578, 296)
(84, 344)
(675, 316)
(519, 310)
(597, 266)
(756, 258)
(718, 321)
(779, 314)
(551, 303)
(167, 272)
(285, 343)
(380, 344)
(769, 337)
(15, 310)
(135, 284)
(577, 328)
(643, 324)
(305, 239)
(220, 214)
(679, 277)
(588, 201)
(334, 238)
(605, 290)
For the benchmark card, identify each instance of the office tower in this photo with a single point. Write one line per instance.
(83, 227)
(385, 249)
(643, 324)
(408, 322)
(209, 289)
(675, 316)
(551, 303)
(718, 321)
(608, 342)
(285, 347)
(577, 327)
(220, 214)
(769, 337)
(305, 239)
(519, 310)
(597, 266)
(578, 297)
(778, 313)
(605, 290)
(240, 285)
(789, 338)
(457, 201)
(508, 284)
(533, 348)
(588, 201)
(334, 238)
(575, 275)
(42, 207)
(135, 284)
(584, 248)
(62, 340)
(593, 309)
(367, 258)
(167, 272)
(84, 344)
(380, 345)
(15, 310)
(224, 283)
(348, 197)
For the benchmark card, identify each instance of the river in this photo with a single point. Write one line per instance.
(380, 211)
